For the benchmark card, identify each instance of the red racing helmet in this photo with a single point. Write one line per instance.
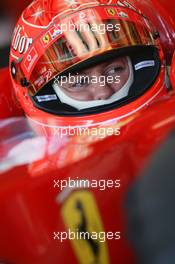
(55, 41)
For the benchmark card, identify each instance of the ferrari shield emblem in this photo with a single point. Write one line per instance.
(46, 39)
(80, 214)
(111, 11)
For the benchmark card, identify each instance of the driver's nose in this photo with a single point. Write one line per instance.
(102, 92)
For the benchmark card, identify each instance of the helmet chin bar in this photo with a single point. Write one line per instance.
(80, 105)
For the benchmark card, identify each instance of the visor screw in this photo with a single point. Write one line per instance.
(24, 82)
(13, 70)
(156, 35)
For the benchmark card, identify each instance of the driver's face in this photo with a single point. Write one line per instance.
(84, 90)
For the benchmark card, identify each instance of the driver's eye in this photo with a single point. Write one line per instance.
(114, 70)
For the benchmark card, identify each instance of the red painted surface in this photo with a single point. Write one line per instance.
(162, 14)
(8, 102)
(172, 72)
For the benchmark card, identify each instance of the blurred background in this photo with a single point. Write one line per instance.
(9, 14)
